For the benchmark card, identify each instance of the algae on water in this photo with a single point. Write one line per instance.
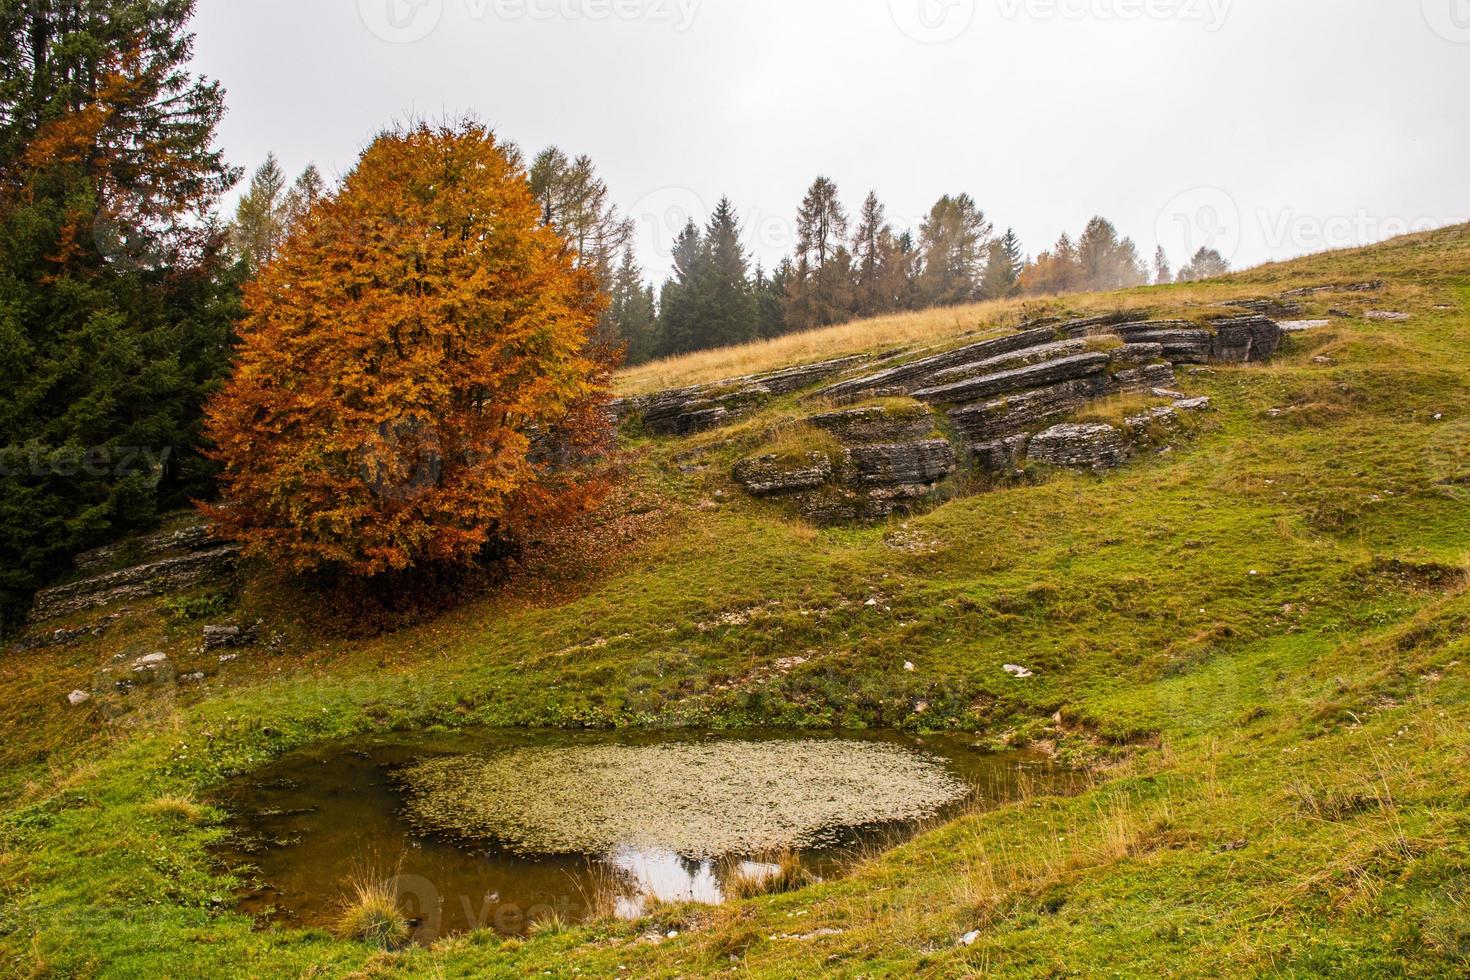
(699, 800)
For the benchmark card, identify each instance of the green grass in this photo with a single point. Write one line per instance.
(1257, 644)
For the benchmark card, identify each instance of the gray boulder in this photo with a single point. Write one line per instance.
(1243, 339)
(141, 581)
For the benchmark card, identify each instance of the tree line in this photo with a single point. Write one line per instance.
(842, 268)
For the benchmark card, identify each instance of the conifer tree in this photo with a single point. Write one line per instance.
(114, 298)
(873, 250)
(679, 329)
(727, 307)
(954, 240)
(1206, 264)
(631, 307)
(1003, 267)
(1162, 273)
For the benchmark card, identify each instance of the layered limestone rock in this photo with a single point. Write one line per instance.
(905, 464)
(1082, 446)
(685, 411)
(906, 377)
(1018, 380)
(776, 476)
(858, 426)
(138, 582)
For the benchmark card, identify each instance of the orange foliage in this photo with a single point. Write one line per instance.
(415, 380)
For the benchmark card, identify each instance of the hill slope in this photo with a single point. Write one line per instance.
(1257, 643)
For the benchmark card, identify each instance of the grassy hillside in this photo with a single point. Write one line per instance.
(1257, 644)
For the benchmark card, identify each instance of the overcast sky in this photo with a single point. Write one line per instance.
(1265, 128)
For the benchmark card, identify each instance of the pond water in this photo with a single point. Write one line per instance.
(497, 829)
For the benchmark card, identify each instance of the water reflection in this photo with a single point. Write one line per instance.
(310, 821)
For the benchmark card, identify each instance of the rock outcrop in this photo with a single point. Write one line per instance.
(993, 407)
(889, 460)
(685, 411)
(777, 476)
(1095, 447)
(138, 582)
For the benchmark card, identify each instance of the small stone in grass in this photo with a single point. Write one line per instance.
(1017, 671)
(970, 938)
(78, 697)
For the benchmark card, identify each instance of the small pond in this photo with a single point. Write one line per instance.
(496, 829)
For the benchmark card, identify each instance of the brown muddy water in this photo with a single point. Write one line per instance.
(498, 829)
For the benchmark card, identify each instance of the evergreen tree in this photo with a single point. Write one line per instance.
(576, 202)
(268, 210)
(1162, 273)
(954, 239)
(1106, 262)
(770, 297)
(631, 308)
(873, 251)
(821, 224)
(727, 307)
(679, 329)
(1003, 267)
(1206, 264)
(114, 305)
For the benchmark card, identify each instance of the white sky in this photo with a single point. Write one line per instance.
(1265, 128)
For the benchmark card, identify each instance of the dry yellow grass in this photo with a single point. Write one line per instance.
(922, 328)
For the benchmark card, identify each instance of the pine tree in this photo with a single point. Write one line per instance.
(770, 296)
(257, 230)
(821, 224)
(679, 329)
(1206, 264)
(954, 239)
(727, 307)
(873, 251)
(268, 210)
(1003, 267)
(1106, 262)
(631, 309)
(1162, 273)
(576, 202)
(114, 299)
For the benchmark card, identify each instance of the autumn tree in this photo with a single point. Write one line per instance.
(115, 300)
(414, 372)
